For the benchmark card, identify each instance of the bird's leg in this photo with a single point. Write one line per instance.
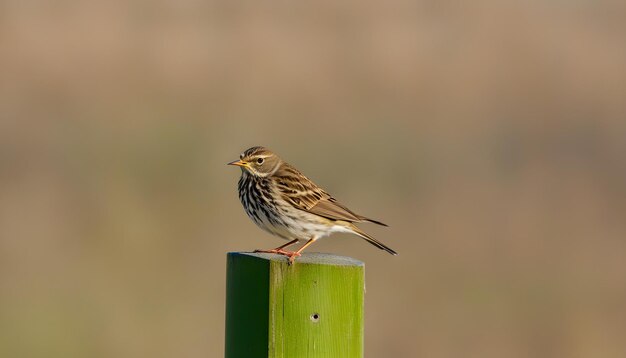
(292, 256)
(279, 250)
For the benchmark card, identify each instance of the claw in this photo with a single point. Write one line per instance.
(292, 257)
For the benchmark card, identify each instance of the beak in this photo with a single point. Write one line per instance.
(239, 163)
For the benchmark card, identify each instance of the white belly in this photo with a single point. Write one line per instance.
(298, 224)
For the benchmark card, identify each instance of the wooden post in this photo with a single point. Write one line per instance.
(313, 308)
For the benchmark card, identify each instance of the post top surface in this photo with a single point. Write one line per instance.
(317, 258)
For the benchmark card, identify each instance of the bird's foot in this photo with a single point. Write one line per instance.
(277, 251)
(290, 254)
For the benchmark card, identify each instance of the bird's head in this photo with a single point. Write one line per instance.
(258, 161)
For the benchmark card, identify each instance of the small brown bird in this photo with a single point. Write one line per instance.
(285, 203)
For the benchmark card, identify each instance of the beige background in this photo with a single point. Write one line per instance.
(490, 135)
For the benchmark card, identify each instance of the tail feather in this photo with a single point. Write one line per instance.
(373, 241)
(373, 221)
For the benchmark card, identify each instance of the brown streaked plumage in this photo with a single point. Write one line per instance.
(284, 202)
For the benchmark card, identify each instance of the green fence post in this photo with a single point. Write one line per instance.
(313, 308)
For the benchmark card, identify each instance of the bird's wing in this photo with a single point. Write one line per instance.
(332, 209)
(303, 194)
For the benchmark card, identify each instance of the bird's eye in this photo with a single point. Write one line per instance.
(259, 161)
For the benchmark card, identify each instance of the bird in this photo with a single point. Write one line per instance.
(284, 202)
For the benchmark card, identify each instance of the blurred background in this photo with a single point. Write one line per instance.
(490, 135)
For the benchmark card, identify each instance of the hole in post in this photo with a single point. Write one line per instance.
(315, 317)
